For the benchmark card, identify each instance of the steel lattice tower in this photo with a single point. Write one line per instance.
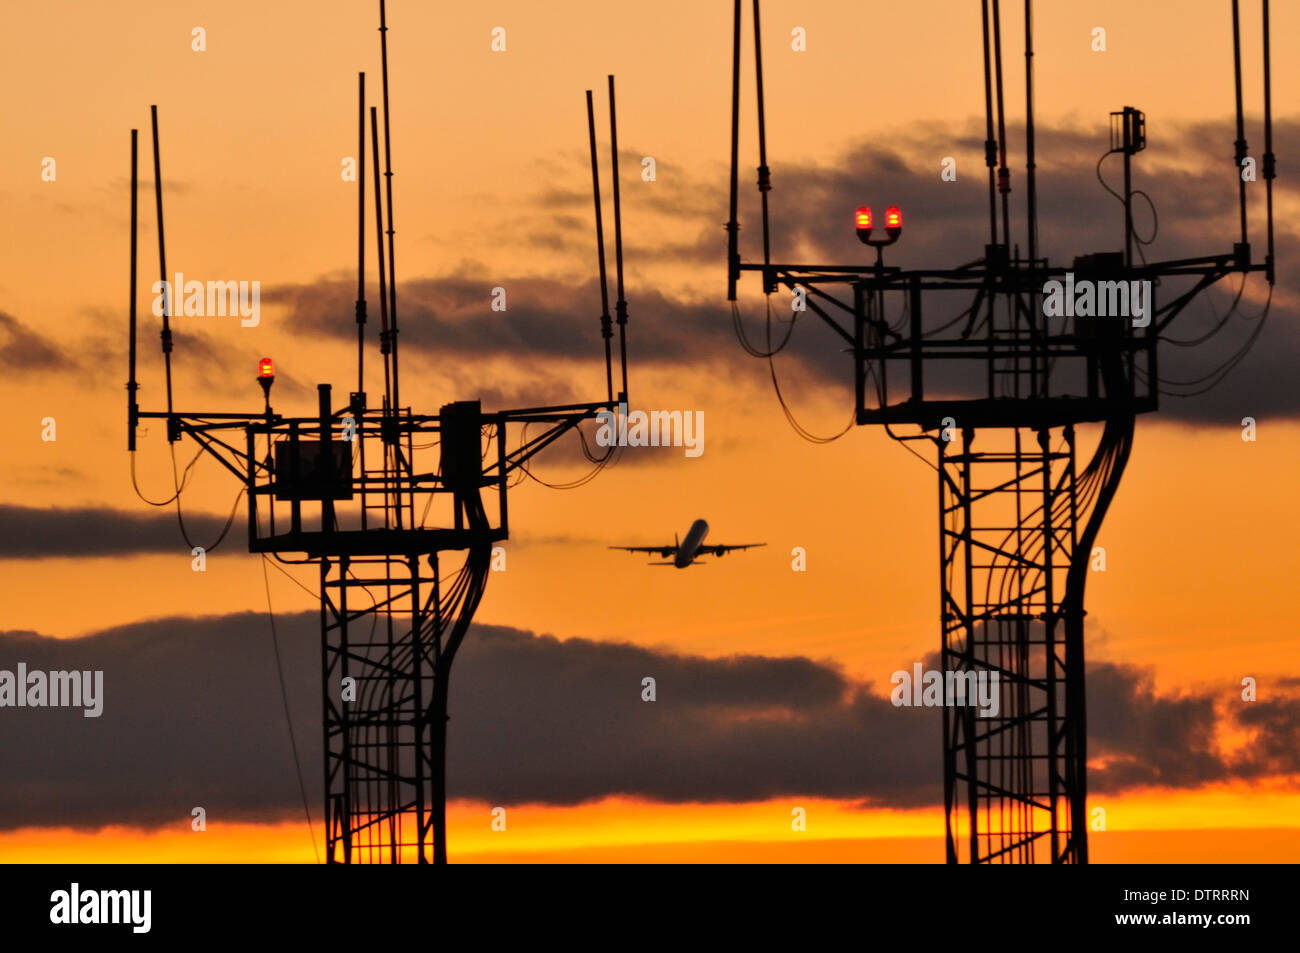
(998, 392)
(398, 511)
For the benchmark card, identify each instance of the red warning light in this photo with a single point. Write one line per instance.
(265, 368)
(862, 220)
(893, 226)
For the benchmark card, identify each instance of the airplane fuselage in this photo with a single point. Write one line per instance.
(688, 547)
(686, 552)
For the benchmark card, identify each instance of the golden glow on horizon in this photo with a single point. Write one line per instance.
(624, 829)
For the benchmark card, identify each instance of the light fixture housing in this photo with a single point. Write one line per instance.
(266, 377)
(893, 222)
(862, 222)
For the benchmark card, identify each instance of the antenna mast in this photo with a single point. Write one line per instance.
(999, 395)
(168, 291)
(393, 615)
(132, 409)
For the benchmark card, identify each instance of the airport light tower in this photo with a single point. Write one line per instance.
(381, 499)
(998, 392)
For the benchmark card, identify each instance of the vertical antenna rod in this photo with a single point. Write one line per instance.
(1031, 194)
(1004, 173)
(361, 232)
(1240, 144)
(605, 330)
(733, 237)
(990, 144)
(384, 348)
(131, 386)
(620, 305)
(1039, 361)
(388, 181)
(1270, 172)
(359, 401)
(764, 173)
(384, 340)
(166, 335)
(1128, 187)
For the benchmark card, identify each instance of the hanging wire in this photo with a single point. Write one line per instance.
(785, 408)
(964, 314)
(907, 440)
(180, 482)
(1215, 330)
(188, 473)
(294, 562)
(739, 327)
(284, 697)
(1214, 377)
(1219, 373)
(1155, 218)
(600, 464)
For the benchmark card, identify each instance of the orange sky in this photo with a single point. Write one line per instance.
(1216, 825)
(1201, 556)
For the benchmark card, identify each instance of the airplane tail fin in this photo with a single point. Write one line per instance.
(677, 543)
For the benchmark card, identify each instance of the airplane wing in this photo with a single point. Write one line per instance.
(720, 549)
(667, 552)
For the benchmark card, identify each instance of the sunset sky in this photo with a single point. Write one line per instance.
(773, 684)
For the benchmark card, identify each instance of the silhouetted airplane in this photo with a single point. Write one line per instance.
(683, 554)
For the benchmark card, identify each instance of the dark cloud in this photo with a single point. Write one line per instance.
(34, 533)
(449, 318)
(188, 720)
(544, 318)
(946, 226)
(43, 474)
(192, 717)
(24, 351)
(1275, 728)
(219, 362)
(217, 359)
(740, 728)
(1143, 739)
